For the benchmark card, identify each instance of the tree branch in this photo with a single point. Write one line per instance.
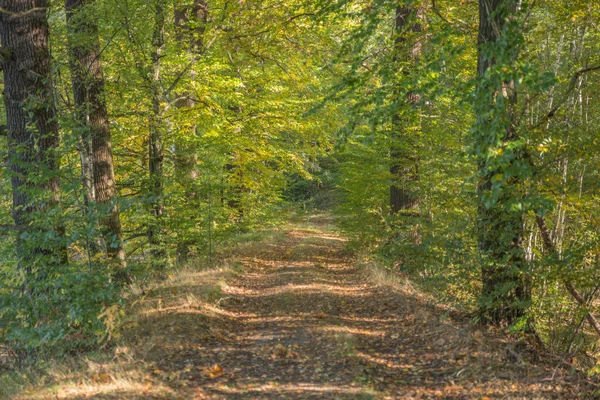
(570, 88)
(549, 244)
(293, 17)
(135, 236)
(177, 79)
(11, 228)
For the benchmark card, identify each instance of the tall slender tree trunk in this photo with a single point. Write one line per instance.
(190, 25)
(236, 186)
(505, 295)
(405, 165)
(155, 139)
(32, 130)
(92, 114)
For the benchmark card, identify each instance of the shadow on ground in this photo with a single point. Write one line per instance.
(304, 322)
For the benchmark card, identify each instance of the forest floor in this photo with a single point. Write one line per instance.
(293, 315)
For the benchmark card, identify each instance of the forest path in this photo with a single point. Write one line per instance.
(304, 322)
(290, 314)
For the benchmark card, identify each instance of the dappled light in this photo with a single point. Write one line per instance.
(299, 199)
(314, 288)
(289, 329)
(352, 331)
(306, 388)
(298, 327)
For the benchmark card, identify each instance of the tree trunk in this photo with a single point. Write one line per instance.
(190, 23)
(191, 35)
(505, 295)
(405, 166)
(32, 130)
(155, 139)
(92, 114)
(235, 178)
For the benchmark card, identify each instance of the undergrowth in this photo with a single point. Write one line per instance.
(151, 317)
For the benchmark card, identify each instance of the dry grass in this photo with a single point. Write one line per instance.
(158, 318)
(378, 274)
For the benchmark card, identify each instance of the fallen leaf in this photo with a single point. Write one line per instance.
(215, 371)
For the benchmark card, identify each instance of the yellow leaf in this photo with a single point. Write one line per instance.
(213, 372)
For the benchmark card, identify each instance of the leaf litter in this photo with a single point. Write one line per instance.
(305, 322)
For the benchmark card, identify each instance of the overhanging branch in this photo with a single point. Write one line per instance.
(549, 244)
(570, 88)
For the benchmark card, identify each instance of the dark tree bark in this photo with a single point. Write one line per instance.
(405, 164)
(505, 295)
(92, 114)
(32, 128)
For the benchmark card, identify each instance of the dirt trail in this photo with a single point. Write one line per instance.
(304, 322)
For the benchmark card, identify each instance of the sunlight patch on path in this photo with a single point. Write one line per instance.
(297, 388)
(305, 289)
(353, 331)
